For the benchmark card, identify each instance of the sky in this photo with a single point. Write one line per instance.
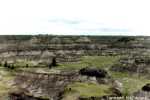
(75, 17)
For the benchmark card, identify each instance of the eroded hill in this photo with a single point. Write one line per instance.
(28, 73)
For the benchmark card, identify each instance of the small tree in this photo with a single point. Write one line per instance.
(5, 64)
(27, 65)
(54, 63)
(50, 66)
(12, 66)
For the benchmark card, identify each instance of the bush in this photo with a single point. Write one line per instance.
(101, 73)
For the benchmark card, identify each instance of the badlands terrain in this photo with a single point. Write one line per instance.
(48, 67)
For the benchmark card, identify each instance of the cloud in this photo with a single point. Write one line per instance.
(65, 21)
(128, 17)
(84, 26)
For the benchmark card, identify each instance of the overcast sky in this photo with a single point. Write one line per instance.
(90, 17)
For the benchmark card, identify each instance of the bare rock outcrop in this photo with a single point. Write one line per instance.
(45, 85)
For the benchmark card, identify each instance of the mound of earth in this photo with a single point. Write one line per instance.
(35, 86)
(133, 64)
(45, 85)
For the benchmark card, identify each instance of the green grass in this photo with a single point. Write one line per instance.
(131, 83)
(118, 75)
(88, 89)
(23, 64)
(91, 61)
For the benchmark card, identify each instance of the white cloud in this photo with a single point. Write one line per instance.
(125, 17)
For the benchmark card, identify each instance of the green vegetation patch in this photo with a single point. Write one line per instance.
(91, 61)
(23, 64)
(131, 83)
(88, 89)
